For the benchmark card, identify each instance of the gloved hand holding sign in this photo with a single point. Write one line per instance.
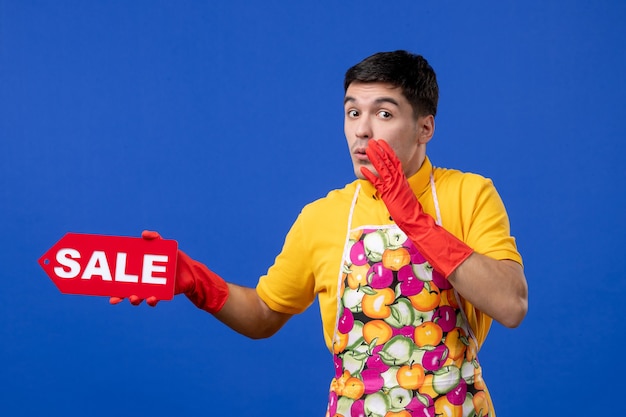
(444, 251)
(207, 290)
(91, 264)
(148, 268)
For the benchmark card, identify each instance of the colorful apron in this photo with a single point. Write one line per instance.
(402, 345)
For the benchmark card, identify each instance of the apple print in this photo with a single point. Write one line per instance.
(355, 336)
(402, 314)
(357, 253)
(400, 397)
(379, 277)
(352, 299)
(445, 317)
(344, 404)
(422, 406)
(353, 361)
(395, 237)
(346, 321)
(357, 409)
(332, 403)
(377, 404)
(397, 350)
(440, 281)
(446, 379)
(422, 317)
(375, 362)
(467, 371)
(338, 365)
(390, 377)
(374, 245)
(416, 256)
(457, 395)
(423, 271)
(406, 331)
(417, 356)
(468, 406)
(409, 284)
(373, 380)
(434, 359)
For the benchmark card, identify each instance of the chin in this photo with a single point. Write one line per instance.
(359, 175)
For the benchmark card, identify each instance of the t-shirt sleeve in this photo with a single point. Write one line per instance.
(486, 225)
(288, 286)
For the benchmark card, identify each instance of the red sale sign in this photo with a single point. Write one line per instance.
(112, 266)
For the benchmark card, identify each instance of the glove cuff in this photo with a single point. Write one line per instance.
(443, 251)
(210, 291)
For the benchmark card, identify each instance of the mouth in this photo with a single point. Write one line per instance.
(360, 155)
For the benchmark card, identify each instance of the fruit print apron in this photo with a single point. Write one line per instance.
(402, 345)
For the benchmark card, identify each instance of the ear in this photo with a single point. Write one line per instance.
(425, 128)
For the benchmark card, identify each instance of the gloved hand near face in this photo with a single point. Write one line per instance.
(444, 251)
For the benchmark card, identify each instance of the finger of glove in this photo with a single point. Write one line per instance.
(395, 179)
(376, 155)
(369, 175)
(152, 301)
(389, 152)
(397, 192)
(135, 300)
(388, 157)
(150, 235)
(115, 300)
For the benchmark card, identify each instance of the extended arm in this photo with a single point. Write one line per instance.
(246, 313)
(240, 308)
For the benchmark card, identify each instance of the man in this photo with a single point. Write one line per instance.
(410, 262)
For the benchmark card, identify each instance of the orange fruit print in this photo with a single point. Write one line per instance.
(395, 259)
(428, 334)
(376, 306)
(444, 408)
(410, 376)
(456, 341)
(427, 299)
(358, 276)
(378, 330)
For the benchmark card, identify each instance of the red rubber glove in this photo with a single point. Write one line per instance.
(444, 251)
(207, 290)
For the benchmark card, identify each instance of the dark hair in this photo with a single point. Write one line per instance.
(410, 72)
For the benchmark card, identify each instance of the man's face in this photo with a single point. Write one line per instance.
(380, 111)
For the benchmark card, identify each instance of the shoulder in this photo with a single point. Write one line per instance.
(472, 209)
(465, 190)
(463, 181)
(333, 203)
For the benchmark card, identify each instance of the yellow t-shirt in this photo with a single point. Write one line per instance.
(310, 262)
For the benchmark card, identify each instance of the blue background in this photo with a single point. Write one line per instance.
(215, 122)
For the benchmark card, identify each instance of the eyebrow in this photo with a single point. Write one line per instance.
(377, 101)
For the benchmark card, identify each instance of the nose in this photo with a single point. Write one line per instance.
(363, 128)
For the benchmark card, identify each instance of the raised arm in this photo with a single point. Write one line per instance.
(496, 287)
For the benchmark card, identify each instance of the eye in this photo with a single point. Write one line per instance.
(384, 114)
(352, 113)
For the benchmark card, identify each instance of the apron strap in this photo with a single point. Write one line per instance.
(435, 199)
